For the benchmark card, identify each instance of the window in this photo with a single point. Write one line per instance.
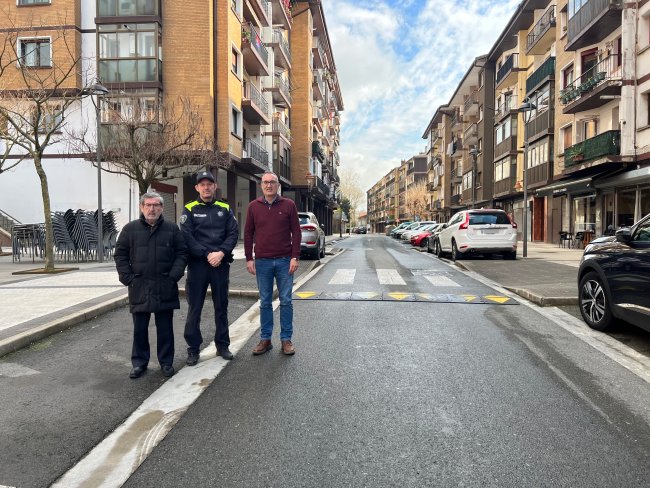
(567, 76)
(567, 137)
(129, 53)
(235, 62)
(33, 2)
(502, 131)
(502, 169)
(235, 122)
(589, 59)
(113, 8)
(35, 53)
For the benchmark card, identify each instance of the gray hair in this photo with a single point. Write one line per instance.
(270, 173)
(151, 194)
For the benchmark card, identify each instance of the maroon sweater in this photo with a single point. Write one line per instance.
(274, 230)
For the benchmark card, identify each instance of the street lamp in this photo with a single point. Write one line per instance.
(98, 90)
(524, 108)
(474, 153)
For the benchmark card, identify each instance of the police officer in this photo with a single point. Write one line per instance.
(211, 231)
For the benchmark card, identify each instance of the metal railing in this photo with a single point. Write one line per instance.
(607, 69)
(251, 35)
(471, 100)
(541, 27)
(283, 85)
(589, 10)
(607, 143)
(509, 64)
(546, 70)
(318, 79)
(252, 93)
(256, 152)
(281, 127)
(284, 45)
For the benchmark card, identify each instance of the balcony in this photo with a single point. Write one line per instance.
(256, 56)
(317, 151)
(316, 118)
(280, 129)
(455, 200)
(471, 104)
(281, 49)
(542, 123)
(593, 22)
(259, 9)
(595, 87)
(605, 144)
(318, 53)
(507, 146)
(456, 120)
(282, 13)
(319, 86)
(254, 106)
(456, 176)
(539, 175)
(505, 186)
(506, 108)
(280, 91)
(470, 135)
(254, 157)
(507, 73)
(544, 73)
(542, 35)
(321, 189)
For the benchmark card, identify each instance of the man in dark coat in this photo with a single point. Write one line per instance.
(150, 257)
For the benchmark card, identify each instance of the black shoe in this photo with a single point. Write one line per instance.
(167, 370)
(137, 371)
(225, 353)
(192, 358)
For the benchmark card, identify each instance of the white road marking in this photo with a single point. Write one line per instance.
(440, 280)
(13, 370)
(389, 277)
(343, 277)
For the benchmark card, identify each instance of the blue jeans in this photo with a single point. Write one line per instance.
(266, 269)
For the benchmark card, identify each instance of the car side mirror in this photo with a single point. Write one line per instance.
(624, 235)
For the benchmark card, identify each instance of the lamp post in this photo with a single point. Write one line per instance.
(98, 90)
(524, 108)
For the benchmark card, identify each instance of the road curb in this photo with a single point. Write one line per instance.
(542, 301)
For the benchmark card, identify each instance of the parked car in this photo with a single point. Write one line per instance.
(313, 235)
(420, 239)
(484, 231)
(432, 240)
(400, 227)
(614, 278)
(406, 235)
(362, 230)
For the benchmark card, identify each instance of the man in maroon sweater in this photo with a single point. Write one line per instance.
(272, 233)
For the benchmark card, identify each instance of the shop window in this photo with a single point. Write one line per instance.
(625, 203)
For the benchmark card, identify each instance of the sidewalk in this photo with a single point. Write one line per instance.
(34, 306)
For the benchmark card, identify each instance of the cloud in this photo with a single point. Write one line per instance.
(397, 62)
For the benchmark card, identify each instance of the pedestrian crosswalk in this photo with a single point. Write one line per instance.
(346, 276)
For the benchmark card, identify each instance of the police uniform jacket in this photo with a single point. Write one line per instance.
(209, 227)
(151, 260)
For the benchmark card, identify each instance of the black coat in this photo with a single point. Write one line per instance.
(151, 260)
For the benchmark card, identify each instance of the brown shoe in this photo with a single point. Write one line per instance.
(287, 348)
(263, 346)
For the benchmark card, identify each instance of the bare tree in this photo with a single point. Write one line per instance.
(350, 189)
(35, 99)
(147, 140)
(417, 198)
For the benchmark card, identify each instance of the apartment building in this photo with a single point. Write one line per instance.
(382, 202)
(563, 104)
(260, 74)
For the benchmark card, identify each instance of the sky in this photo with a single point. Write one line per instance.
(397, 61)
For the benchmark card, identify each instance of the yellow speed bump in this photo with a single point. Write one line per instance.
(497, 298)
(469, 298)
(305, 294)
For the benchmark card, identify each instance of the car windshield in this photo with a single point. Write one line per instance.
(485, 218)
(303, 220)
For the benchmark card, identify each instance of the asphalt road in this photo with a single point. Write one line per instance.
(412, 393)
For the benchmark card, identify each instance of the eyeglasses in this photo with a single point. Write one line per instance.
(152, 205)
(269, 182)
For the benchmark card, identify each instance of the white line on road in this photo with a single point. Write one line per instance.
(389, 277)
(439, 280)
(343, 277)
(13, 370)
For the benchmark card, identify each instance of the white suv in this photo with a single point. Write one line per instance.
(477, 231)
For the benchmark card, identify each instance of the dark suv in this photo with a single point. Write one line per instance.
(614, 278)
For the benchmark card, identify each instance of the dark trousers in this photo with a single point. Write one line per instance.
(199, 275)
(164, 338)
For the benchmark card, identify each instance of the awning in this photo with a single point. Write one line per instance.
(564, 187)
(633, 177)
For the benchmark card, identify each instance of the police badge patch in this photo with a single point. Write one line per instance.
(220, 213)
(183, 218)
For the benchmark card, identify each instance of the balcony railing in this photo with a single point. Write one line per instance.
(605, 144)
(471, 101)
(542, 26)
(507, 67)
(279, 38)
(607, 69)
(545, 71)
(317, 151)
(592, 22)
(256, 152)
(283, 85)
(254, 95)
(505, 107)
(250, 35)
(279, 126)
(318, 82)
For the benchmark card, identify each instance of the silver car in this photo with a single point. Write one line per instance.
(313, 235)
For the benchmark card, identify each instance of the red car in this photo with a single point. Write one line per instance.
(420, 239)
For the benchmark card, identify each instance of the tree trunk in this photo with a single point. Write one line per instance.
(49, 230)
(143, 186)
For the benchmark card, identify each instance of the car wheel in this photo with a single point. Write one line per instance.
(429, 250)
(512, 255)
(594, 302)
(321, 253)
(455, 253)
(437, 248)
